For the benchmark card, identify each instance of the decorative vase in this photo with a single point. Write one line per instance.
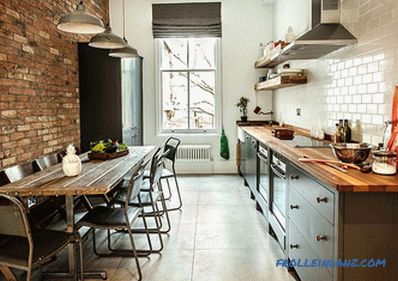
(243, 118)
(71, 163)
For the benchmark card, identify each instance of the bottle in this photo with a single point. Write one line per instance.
(341, 130)
(347, 130)
(337, 135)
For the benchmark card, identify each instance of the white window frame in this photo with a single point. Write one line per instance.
(217, 94)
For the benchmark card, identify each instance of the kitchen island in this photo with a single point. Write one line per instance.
(328, 214)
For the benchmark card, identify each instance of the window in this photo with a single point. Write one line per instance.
(188, 84)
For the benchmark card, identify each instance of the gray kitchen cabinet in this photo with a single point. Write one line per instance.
(249, 163)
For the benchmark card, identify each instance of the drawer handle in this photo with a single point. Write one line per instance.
(321, 237)
(319, 199)
(294, 246)
(294, 177)
(294, 207)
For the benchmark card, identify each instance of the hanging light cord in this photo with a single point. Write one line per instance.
(124, 19)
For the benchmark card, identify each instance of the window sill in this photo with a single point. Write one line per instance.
(207, 134)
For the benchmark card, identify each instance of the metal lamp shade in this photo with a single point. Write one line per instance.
(126, 52)
(81, 22)
(107, 40)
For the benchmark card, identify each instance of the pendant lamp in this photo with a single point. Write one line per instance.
(107, 40)
(127, 51)
(81, 22)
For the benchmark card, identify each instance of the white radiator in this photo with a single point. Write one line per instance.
(194, 153)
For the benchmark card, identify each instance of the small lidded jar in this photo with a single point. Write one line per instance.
(384, 162)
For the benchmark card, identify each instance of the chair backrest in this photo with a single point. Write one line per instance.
(13, 217)
(171, 144)
(46, 161)
(135, 184)
(16, 173)
(157, 167)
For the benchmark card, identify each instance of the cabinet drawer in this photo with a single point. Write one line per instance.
(317, 231)
(299, 249)
(317, 195)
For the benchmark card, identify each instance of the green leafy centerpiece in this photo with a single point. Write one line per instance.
(104, 150)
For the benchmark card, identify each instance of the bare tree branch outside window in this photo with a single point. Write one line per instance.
(188, 90)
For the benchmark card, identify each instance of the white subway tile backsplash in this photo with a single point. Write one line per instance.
(372, 108)
(373, 88)
(366, 98)
(357, 99)
(353, 71)
(367, 78)
(378, 98)
(377, 119)
(361, 108)
(373, 67)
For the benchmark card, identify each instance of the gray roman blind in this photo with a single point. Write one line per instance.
(186, 20)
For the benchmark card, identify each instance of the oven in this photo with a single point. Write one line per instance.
(278, 199)
(263, 177)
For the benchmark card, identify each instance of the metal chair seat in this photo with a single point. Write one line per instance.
(108, 217)
(165, 174)
(144, 201)
(15, 250)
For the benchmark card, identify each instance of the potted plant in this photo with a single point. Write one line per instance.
(242, 105)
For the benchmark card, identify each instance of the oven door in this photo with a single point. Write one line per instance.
(279, 193)
(263, 180)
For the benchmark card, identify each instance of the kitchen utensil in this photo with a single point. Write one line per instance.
(351, 153)
(336, 167)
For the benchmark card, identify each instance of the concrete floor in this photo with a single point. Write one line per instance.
(218, 235)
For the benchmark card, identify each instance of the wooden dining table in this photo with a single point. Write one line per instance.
(96, 178)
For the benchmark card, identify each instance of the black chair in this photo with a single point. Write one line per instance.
(119, 219)
(25, 248)
(169, 171)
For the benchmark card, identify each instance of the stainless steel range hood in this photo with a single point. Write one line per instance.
(327, 35)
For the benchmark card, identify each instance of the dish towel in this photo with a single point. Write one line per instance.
(224, 147)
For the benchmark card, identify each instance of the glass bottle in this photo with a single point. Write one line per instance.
(347, 130)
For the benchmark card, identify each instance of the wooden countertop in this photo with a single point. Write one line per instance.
(352, 181)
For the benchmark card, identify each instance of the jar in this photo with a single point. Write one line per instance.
(384, 162)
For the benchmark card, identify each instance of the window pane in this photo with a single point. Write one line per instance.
(202, 100)
(175, 100)
(174, 53)
(201, 53)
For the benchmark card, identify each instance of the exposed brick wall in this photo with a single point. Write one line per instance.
(39, 98)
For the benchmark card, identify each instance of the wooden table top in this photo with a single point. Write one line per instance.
(97, 177)
(352, 181)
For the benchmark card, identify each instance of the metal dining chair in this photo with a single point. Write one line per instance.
(169, 171)
(25, 248)
(119, 219)
(149, 198)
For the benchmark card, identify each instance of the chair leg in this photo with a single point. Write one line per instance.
(164, 207)
(169, 189)
(178, 193)
(81, 259)
(95, 244)
(137, 262)
(147, 231)
(29, 274)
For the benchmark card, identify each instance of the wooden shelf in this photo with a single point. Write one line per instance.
(282, 81)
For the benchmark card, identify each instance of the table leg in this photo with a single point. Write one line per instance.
(72, 261)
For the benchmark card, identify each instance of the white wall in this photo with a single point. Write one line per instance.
(294, 13)
(245, 24)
